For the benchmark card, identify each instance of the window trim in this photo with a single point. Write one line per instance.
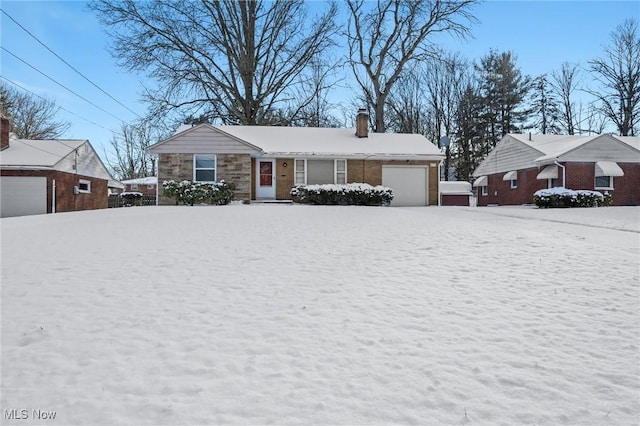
(484, 191)
(302, 161)
(215, 167)
(609, 187)
(84, 182)
(550, 183)
(514, 183)
(335, 170)
(134, 186)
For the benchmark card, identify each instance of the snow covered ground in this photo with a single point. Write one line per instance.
(287, 314)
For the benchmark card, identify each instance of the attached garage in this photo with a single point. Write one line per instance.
(23, 195)
(409, 183)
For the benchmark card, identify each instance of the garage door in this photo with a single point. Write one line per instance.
(21, 196)
(409, 184)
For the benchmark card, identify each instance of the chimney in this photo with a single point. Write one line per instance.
(5, 127)
(362, 123)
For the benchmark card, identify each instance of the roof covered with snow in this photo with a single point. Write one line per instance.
(75, 156)
(522, 151)
(38, 153)
(304, 141)
(149, 180)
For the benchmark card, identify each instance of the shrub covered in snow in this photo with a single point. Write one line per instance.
(361, 194)
(190, 193)
(131, 198)
(563, 197)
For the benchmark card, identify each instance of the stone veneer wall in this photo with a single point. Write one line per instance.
(234, 168)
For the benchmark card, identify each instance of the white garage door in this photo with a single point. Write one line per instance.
(21, 196)
(409, 184)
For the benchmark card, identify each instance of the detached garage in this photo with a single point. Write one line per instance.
(48, 176)
(409, 183)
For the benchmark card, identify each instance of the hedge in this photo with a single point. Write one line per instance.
(563, 197)
(361, 194)
(190, 193)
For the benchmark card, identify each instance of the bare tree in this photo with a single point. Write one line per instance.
(129, 158)
(385, 38)
(233, 61)
(565, 83)
(618, 71)
(408, 110)
(31, 117)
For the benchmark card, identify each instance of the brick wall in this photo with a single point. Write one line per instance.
(66, 200)
(285, 176)
(579, 176)
(626, 189)
(142, 188)
(500, 191)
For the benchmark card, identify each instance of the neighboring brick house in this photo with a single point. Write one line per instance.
(521, 164)
(49, 176)
(146, 185)
(264, 163)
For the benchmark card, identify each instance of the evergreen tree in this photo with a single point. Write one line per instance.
(468, 149)
(544, 105)
(503, 90)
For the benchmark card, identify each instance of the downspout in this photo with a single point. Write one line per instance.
(53, 196)
(564, 175)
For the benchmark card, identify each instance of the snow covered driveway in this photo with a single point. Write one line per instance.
(280, 314)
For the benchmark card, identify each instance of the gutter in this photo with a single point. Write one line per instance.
(564, 173)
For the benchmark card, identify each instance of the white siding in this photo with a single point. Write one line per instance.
(604, 148)
(203, 140)
(509, 154)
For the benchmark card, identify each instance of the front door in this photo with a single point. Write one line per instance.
(266, 179)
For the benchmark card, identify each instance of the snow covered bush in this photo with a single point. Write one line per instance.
(563, 197)
(361, 194)
(190, 193)
(131, 198)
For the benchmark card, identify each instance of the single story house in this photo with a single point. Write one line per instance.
(264, 163)
(145, 185)
(49, 176)
(521, 164)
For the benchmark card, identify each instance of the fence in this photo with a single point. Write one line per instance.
(116, 200)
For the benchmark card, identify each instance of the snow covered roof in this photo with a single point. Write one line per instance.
(38, 153)
(149, 180)
(331, 142)
(553, 146)
(298, 141)
(455, 188)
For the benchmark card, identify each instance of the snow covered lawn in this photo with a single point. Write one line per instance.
(280, 314)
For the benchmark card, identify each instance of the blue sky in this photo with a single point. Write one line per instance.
(543, 35)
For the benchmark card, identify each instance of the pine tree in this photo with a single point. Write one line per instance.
(544, 105)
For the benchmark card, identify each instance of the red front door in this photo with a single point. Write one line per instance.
(266, 173)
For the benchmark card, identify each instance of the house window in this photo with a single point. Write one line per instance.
(149, 186)
(204, 168)
(301, 177)
(485, 190)
(84, 186)
(134, 186)
(514, 183)
(319, 172)
(341, 172)
(552, 183)
(604, 182)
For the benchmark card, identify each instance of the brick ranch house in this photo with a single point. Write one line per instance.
(145, 185)
(521, 164)
(49, 176)
(266, 162)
